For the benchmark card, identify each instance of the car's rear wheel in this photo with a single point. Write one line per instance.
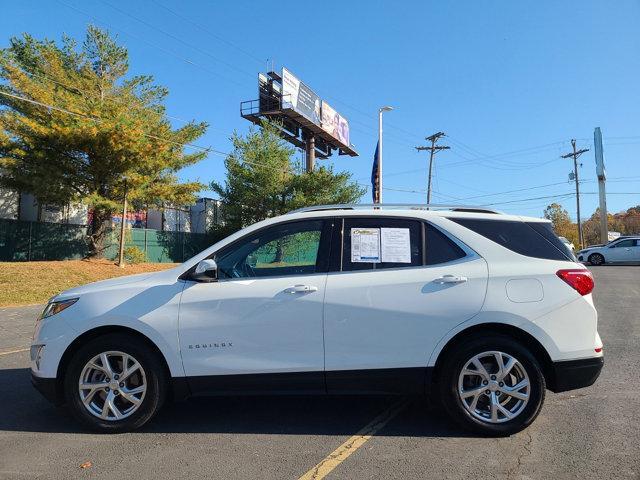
(492, 385)
(115, 383)
(596, 259)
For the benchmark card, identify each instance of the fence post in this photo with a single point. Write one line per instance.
(30, 231)
(183, 238)
(145, 242)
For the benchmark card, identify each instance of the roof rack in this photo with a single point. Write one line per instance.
(404, 206)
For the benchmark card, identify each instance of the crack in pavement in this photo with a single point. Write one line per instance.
(526, 451)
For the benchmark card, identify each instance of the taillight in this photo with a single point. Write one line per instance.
(580, 280)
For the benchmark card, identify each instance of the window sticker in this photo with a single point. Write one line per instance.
(365, 245)
(396, 245)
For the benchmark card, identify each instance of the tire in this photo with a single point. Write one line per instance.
(136, 393)
(596, 259)
(452, 382)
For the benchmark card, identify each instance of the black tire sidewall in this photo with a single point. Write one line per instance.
(449, 385)
(596, 255)
(154, 373)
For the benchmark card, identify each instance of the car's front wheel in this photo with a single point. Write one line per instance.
(596, 259)
(492, 385)
(114, 383)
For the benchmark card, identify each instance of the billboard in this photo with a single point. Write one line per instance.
(335, 124)
(300, 97)
(597, 142)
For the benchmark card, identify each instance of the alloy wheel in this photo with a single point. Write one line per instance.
(494, 387)
(112, 385)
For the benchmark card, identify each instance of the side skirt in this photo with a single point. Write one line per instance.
(387, 381)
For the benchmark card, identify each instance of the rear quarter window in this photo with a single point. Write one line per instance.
(526, 238)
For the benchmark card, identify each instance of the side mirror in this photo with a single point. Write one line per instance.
(206, 271)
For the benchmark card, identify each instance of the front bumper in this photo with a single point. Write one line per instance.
(48, 387)
(572, 374)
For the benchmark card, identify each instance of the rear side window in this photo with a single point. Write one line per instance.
(440, 248)
(625, 244)
(546, 230)
(357, 230)
(519, 237)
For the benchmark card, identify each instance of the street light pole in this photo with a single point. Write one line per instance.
(380, 111)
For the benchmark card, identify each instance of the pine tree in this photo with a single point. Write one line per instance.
(117, 137)
(263, 180)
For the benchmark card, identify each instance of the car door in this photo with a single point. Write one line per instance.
(383, 318)
(621, 251)
(259, 326)
(635, 251)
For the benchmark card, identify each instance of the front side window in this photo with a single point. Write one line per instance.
(287, 249)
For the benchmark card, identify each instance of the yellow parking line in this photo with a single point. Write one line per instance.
(341, 453)
(9, 352)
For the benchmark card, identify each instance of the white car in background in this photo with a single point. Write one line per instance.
(623, 250)
(482, 310)
(568, 243)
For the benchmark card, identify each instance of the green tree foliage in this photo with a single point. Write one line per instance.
(119, 134)
(558, 215)
(263, 181)
(591, 228)
(561, 222)
(626, 222)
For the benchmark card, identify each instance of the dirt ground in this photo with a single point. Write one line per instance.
(25, 283)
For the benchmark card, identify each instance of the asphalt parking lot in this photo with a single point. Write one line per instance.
(588, 433)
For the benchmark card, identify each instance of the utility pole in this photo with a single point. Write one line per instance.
(575, 154)
(433, 149)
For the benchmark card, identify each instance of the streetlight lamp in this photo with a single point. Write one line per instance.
(383, 109)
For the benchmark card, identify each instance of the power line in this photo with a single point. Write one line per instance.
(176, 38)
(149, 135)
(207, 31)
(162, 49)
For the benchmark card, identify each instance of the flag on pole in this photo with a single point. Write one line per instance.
(375, 180)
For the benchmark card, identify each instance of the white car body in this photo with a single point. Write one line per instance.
(622, 250)
(354, 330)
(567, 243)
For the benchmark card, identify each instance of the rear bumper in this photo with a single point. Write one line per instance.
(48, 387)
(572, 374)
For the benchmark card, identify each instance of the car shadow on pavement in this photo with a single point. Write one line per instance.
(25, 410)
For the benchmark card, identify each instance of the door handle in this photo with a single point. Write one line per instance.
(450, 279)
(301, 289)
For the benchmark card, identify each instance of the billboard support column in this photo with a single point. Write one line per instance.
(602, 177)
(311, 152)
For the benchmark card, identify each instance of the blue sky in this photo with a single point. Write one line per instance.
(510, 83)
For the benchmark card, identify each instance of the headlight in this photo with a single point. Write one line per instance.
(53, 308)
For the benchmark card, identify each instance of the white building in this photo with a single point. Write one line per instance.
(170, 219)
(197, 218)
(205, 214)
(24, 206)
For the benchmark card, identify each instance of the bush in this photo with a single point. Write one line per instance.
(134, 255)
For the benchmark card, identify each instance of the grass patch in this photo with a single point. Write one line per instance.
(25, 283)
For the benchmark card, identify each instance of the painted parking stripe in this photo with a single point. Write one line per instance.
(9, 352)
(343, 452)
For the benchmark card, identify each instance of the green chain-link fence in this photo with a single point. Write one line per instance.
(31, 241)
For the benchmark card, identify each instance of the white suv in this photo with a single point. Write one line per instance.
(482, 309)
